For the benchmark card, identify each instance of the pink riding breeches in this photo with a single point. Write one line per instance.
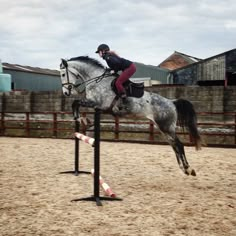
(124, 76)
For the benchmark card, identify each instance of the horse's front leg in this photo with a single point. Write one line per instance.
(84, 102)
(75, 109)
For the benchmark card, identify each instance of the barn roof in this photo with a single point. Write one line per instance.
(178, 60)
(29, 69)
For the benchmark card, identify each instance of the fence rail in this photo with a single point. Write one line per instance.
(217, 129)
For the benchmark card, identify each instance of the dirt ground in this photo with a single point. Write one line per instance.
(158, 199)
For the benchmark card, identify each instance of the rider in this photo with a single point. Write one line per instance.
(117, 63)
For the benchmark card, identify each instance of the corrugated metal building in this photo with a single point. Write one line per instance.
(151, 74)
(216, 70)
(38, 79)
(5, 80)
(32, 78)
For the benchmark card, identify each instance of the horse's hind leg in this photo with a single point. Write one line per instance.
(181, 158)
(178, 148)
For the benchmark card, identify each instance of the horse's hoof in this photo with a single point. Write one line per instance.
(190, 171)
(193, 173)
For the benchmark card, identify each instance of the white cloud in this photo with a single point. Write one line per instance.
(230, 25)
(39, 33)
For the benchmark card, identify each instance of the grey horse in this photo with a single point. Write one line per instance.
(85, 74)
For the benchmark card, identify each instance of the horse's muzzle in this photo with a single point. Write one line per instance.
(68, 92)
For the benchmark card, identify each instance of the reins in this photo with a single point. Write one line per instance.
(87, 82)
(98, 78)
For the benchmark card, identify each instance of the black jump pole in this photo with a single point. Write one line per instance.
(97, 155)
(76, 170)
(96, 197)
(77, 126)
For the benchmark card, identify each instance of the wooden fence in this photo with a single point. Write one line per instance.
(217, 129)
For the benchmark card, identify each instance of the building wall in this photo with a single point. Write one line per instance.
(211, 69)
(34, 82)
(5, 82)
(231, 61)
(204, 98)
(154, 73)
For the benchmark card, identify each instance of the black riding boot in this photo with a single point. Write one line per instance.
(122, 101)
(123, 97)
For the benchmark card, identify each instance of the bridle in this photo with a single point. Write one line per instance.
(69, 86)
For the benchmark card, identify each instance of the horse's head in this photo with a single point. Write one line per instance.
(78, 72)
(71, 79)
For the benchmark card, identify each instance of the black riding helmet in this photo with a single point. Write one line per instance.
(102, 47)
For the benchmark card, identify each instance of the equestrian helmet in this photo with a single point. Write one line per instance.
(102, 47)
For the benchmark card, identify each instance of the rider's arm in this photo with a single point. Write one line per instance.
(113, 62)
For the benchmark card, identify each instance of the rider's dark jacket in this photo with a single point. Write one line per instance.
(116, 63)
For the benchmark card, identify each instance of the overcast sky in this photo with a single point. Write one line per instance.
(39, 33)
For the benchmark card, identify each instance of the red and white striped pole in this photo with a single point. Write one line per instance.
(106, 188)
(85, 138)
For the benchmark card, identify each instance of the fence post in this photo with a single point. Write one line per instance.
(151, 131)
(234, 128)
(55, 124)
(2, 123)
(27, 124)
(83, 125)
(3, 114)
(117, 127)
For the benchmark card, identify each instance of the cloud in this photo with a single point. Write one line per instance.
(39, 33)
(230, 25)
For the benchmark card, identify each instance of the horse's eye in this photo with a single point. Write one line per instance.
(63, 75)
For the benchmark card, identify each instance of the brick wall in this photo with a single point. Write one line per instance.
(205, 99)
(22, 101)
(211, 99)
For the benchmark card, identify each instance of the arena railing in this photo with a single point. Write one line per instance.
(217, 129)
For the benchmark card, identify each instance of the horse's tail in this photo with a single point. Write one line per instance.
(187, 117)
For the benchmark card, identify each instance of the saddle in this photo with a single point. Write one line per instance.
(132, 89)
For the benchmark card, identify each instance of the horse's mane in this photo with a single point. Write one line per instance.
(89, 60)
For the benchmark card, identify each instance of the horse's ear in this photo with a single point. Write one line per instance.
(64, 62)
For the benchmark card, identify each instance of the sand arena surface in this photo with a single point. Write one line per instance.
(158, 199)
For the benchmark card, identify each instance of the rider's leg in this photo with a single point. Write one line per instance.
(125, 75)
